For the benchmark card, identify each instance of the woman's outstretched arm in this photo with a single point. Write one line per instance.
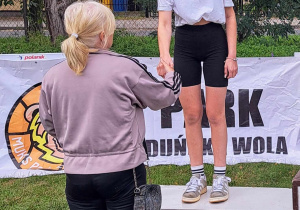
(164, 39)
(231, 68)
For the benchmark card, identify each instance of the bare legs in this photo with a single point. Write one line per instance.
(190, 99)
(215, 110)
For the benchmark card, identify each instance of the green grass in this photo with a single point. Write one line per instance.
(37, 43)
(265, 46)
(34, 193)
(148, 47)
(47, 192)
(245, 174)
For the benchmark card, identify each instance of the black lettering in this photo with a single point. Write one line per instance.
(180, 147)
(269, 145)
(261, 142)
(207, 147)
(241, 146)
(152, 147)
(246, 107)
(281, 146)
(163, 147)
(166, 114)
(229, 102)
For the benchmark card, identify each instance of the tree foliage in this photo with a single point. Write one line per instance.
(6, 2)
(257, 17)
(35, 15)
(266, 17)
(34, 12)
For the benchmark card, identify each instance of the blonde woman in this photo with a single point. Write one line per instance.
(93, 104)
(199, 37)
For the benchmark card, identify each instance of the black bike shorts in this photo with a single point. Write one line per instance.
(195, 44)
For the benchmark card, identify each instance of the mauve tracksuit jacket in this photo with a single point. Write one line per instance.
(98, 117)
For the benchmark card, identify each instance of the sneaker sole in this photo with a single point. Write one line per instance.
(193, 200)
(218, 199)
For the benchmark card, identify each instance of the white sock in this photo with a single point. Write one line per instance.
(197, 170)
(220, 170)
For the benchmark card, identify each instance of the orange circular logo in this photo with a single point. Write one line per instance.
(29, 145)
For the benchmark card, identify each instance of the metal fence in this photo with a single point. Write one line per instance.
(12, 20)
(136, 17)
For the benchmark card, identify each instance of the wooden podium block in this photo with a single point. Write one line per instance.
(296, 184)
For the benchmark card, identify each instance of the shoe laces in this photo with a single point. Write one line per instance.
(219, 182)
(193, 184)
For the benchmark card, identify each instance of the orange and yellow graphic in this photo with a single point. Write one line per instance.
(29, 145)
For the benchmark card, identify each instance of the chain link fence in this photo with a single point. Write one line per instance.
(12, 20)
(136, 17)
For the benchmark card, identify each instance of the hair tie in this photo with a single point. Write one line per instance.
(75, 35)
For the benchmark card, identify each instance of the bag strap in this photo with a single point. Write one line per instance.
(147, 167)
(146, 150)
(137, 189)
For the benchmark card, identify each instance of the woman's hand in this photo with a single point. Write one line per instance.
(230, 68)
(165, 65)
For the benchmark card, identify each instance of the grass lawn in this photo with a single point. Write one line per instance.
(47, 192)
(147, 46)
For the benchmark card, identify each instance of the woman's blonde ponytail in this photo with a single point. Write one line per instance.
(84, 22)
(76, 53)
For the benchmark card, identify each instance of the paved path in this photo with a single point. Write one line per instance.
(241, 198)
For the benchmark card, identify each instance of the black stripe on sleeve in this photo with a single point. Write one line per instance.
(176, 77)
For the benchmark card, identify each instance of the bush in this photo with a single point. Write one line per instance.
(267, 46)
(264, 46)
(37, 43)
(266, 17)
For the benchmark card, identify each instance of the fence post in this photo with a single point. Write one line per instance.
(25, 19)
(147, 11)
(241, 6)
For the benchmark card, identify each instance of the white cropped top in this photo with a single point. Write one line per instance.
(192, 11)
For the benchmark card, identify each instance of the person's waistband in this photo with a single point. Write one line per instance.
(198, 27)
(104, 164)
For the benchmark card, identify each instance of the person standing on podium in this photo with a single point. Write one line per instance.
(200, 37)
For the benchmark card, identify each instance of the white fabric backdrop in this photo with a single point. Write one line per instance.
(262, 111)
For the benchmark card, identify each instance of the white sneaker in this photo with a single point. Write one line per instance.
(195, 188)
(220, 189)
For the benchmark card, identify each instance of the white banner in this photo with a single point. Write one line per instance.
(262, 112)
